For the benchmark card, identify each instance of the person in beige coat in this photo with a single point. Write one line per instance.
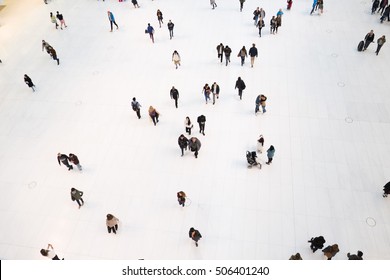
(176, 58)
(112, 223)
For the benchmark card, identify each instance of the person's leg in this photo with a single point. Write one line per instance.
(263, 107)
(182, 151)
(213, 98)
(252, 60)
(109, 229)
(111, 25)
(154, 120)
(196, 154)
(82, 201)
(138, 113)
(189, 131)
(78, 202)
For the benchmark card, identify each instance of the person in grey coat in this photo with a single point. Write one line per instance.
(270, 154)
(194, 145)
(77, 195)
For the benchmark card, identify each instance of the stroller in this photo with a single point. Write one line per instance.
(251, 158)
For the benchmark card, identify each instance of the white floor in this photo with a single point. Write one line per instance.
(328, 118)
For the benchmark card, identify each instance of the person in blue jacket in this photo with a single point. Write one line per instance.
(253, 53)
(150, 31)
(314, 6)
(270, 154)
(111, 18)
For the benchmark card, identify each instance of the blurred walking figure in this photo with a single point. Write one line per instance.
(202, 123)
(194, 145)
(240, 85)
(150, 31)
(357, 257)
(135, 3)
(62, 158)
(77, 195)
(195, 235)
(60, 17)
(386, 190)
(212, 3)
(188, 125)
(29, 82)
(241, 4)
(270, 154)
(382, 6)
(331, 251)
(215, 91)
(159, 17)
(253, 52)
(368, 39)
(174, 95)
(381, 41)
(176, 58)
(50, 253)
(181, 198)
(153, 114)
(206, 92)
(316, 243)
(220, 49)
(136, 107)
(112, 223)
(75, 160)
(170, 28)
(53, 19)
(183, 143)
(273, 24)
(227, 52)
(313, 6)
(260, 144)
(111, 18)
(289, 4)
(242, 54)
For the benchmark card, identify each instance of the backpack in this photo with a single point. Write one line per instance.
(134, 105)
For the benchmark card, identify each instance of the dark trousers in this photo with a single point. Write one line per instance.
(138, 111)
(182, 150)
(56, 258)
(366, 44)
(175, 102)
(114, 229)
(155, 119)
(113, 22)
(242, 60)
(378, 49)
(269, 160)
(240, 93)
(78, 201)
(196, 152)
(201, 128)
(66, 163)
(170, 34)
(227, 58)
(381, 8)
(188, 130)
(220, 55)
(260, 32)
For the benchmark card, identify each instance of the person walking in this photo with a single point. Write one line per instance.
(253, 53)
(111, 18)
(62, 158)
(278, 22)
(29, 82)
(263, 98)
(181, 198)
(112, 223)
(150, 31)
(320, 4)
(381, 41)
(50, 253)
(290, 2)
(368, 39)
(170, 25)
(375, 5)
(386, 14)
(183, 143)
(382, 6)
(220, 50)
(386, 190)
(45, 46)
(176, 58)
(206, 92)
(357, 257)
(257, 102)
(60, 17)
(153, 114)
(77, 195)
(136, 107)
(160, 17)
(330, 251)
(215, 91)
(202, 123)
(212, 3)
(241, 4)
(242, 54)
(313, 6)
(52, 52)
(174, 95)
(260, 25)
(240, 85)
(53, 19)
(270, 154)
(316, 243)
(188, 125)
(227, 52)
(195, 235)
(256, 15)
(260, 144)
(135, 3)
(194, 145)
(75, 160)
(273, 24)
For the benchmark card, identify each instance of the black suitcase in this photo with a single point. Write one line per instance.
(360, 46)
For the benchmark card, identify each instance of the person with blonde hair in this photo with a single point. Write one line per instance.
(153, 114)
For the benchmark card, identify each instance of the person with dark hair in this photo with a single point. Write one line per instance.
(111, 18)
(75, 160)
(194, 145)
(331, 251)
(170, 26)
(381, 41)
(135, 3)
(386, 189)
(188, 125)
(174, 93)
(136, 107)
(260, 25)
(150, 31)
(29, 82)
(220, 49)
(375, 5)
(52, 52)
(227, 51)
(112, 223)
(253, 53)
(215, 91)
(382, 6)
(50, 253)
(181, 198)
(160, 17)
(60, 17)
(206, 92)
(289, 4)
(316, 243)
(270, 154)
(183, 143)
(176, 58)
(64, 159)
(77, 195)
(195, 235)
(368, 39)
(295, 257)
(242, 54)
(260, 144)
(263, 98)
(202, 123)
(53, 19)
(240, 85)
(357, 257)
(153, 114)
(273, 24)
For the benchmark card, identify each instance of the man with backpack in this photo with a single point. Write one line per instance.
(136, 107)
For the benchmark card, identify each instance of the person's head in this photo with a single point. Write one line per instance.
(272, 147)
(148, 24)
(44, 252)
(57, 12)
(253, 45)
(193, 139)
(169, 21)
(59, 154)
(51, 14)
(360, 254)
(72, 189)
(187, 118)
(151, 108)
(110, 217)
(239, 78)
(133, 98)
(181, 136)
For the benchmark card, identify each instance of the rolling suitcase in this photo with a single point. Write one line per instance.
(360, 46)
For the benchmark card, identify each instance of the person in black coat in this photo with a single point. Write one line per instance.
(135, 3)
(174, 95)
(215, 91)
(64, 159)
(194, 145)
(357, 257)
(253, 53)
(170, 28)
(29, 82)
(183, 143)
(220, 49)
(227, 52)
(195, 235)
(368, 39)
(136, 107)
(202, 123)
(316, 243)
(240, 85)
